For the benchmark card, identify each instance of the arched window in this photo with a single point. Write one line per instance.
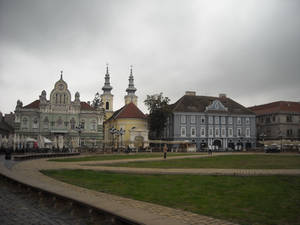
(82, 124)
(25, 122)
(46, 123)
(72, 122)
(59, 122)
(107, 105)
(93, 125)
(35, 123)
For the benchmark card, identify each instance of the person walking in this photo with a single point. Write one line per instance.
(165, 149)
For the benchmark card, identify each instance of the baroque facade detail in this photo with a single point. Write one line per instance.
(59, 122)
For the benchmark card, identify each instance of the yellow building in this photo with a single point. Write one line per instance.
(127, 126)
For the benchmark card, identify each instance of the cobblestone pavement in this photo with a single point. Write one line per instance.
(20, 208)
(146, 213)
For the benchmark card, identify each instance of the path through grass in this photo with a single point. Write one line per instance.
(224, 162)
(245, 200)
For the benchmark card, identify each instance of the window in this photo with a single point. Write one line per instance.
(230, 133)
(202, 132)
(217, 120)
(183, 132)
(239, 121)
(239, 132)
(247, 120)
(223, 132)
(268, 120)
(66, 124)
(72, 123)
(93, 125)
(59, 122)
(193, 131)
(289, 132)
(25, 122)
(274, 118)
(35, 124)
(223, 121)
(82, 124)
(46, 123)
(203, 119)
(210, 132)
(289, 118)
(183, 119)
(247, 132)
(193, 119)
(229, 120)
(210, 120)
(107, 105)
(217, 132)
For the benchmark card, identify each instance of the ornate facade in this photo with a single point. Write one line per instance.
(127, 126)
(211, 122)
(59, 121)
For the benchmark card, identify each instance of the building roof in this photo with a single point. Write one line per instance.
(36, 104)
(85, 106)
(193, 103)
(128, 111)
(276, 107)
(33, 105)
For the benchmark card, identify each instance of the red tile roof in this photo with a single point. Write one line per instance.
(275, 107)
(128, 111)
(33, 105)
(86, 107)
(36, 105)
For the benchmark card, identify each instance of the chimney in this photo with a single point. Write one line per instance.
(89, 102)
(222, 96)
(190, 93)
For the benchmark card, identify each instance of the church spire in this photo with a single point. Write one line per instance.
(131, 97)
(107, 87)
(131, 89)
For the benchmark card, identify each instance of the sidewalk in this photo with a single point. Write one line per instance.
(141, 212)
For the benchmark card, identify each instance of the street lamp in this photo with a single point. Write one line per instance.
(79, 128)
(280, 136)
(121, 133)
(263, 135)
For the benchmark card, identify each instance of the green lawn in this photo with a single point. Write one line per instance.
(224, 162)
(245, 200)
(117, 156)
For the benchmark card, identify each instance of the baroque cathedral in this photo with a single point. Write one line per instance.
(58, 122)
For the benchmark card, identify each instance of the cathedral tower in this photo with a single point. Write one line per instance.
(131, 97)
(107, 97)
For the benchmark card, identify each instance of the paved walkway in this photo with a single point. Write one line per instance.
(142, 212)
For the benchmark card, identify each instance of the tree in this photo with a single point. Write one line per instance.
(158, 113)
(97, 102)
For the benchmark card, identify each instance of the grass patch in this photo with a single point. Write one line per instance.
(224, 162)
(245, 200)
(117, 156)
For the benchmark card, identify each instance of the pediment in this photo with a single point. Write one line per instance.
(216, 105)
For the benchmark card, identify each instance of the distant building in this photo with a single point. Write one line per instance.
(59, 121)
(278, 120)
(128, 125)
(6, 133)
(211, 122)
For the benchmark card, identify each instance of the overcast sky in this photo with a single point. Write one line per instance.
(249, 50)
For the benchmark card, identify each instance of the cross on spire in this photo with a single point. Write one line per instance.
(61, 74)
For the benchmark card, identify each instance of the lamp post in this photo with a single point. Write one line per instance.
(121, 133)
(79, 129)
(280, 136)
(263, 135)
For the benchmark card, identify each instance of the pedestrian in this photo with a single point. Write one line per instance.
(165, 149)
